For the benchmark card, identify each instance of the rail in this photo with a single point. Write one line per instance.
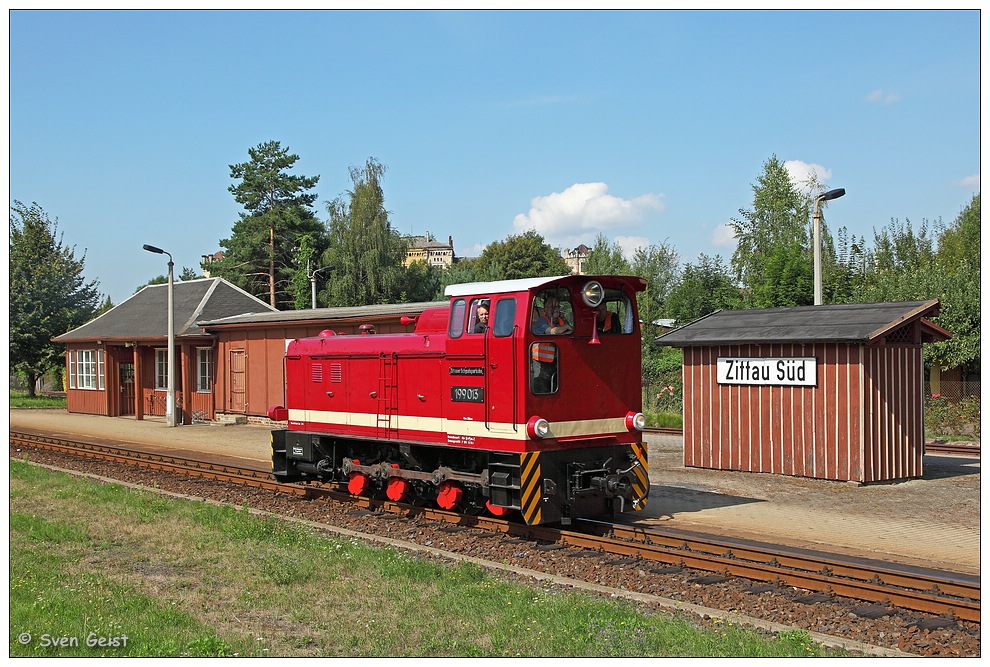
(930, 591)
(931, 447)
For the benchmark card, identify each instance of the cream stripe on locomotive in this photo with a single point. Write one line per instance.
(476, 429)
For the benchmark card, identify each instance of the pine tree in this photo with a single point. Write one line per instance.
(261, 255)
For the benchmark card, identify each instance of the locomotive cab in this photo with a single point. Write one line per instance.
(524, 396)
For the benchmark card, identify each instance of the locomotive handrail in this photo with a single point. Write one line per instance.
(515, 378)
(487, 376)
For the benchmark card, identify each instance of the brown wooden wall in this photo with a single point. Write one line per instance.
(91, 401)
(894, 440)
(110, 402)
(263, 350)
(816, 431)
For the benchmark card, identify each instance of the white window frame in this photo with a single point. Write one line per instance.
(161, 369)
(86, 369)
(204, 370)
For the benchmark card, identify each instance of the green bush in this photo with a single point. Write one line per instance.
(952, 418)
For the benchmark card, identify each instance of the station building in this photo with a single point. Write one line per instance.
(229, 351)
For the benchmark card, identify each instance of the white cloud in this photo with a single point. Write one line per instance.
(580, 212)
(804, 174)
(881, 96)
(473, 250)
(972, 182)
(630, 244)
(724, 236)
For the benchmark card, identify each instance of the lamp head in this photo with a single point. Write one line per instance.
(832, 194)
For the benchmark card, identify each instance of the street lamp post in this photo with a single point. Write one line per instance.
(170, 397)
(312, 280)
(817, 219)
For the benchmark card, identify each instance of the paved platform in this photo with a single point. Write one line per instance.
(934, 520)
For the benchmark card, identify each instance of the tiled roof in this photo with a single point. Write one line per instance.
(326, 314)
(145, 314)
(851, 323)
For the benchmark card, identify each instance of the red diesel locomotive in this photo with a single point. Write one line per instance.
(536, 408)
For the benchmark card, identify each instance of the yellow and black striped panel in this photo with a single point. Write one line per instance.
(641, 476)
(531, 481)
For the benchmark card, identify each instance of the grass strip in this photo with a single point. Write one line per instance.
(102, 570)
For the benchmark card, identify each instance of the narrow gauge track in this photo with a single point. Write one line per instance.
(930, 447)
(916, 589)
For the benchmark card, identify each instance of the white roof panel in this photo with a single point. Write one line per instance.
(495, 286)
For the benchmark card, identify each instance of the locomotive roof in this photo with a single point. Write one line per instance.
(518, 285)
(842, 323)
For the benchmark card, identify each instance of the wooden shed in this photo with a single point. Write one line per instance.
(830, 392)
(250, 375)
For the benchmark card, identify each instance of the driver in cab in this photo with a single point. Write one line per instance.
(550, 320)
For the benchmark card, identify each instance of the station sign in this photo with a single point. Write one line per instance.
(767, 371)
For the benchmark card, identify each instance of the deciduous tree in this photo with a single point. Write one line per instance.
(772, 238)
(525, 255)
(48, 293)
(704, 287)
(606, 258)
(367, 254)
(909, 265)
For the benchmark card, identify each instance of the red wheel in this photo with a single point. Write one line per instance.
(497, 510)
(397, 489)
(358, 484)
(450, 495)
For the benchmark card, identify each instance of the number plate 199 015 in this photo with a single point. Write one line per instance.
(467, 394)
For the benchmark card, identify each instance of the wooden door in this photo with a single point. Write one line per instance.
(127, 388)
(237, 400)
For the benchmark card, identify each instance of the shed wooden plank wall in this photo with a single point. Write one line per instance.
(894, 446)
(862, 422)
(804, 431)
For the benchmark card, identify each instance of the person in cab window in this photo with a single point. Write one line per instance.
(551, 322)
(606, 321)
(482, 319)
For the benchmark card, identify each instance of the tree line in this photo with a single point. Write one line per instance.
(278, 241)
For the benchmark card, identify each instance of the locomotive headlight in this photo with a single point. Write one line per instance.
(538, 427)
(635, 421)
(593, 293)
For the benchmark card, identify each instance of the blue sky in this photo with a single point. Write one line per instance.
(648, 126)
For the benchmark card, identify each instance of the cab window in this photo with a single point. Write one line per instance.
(553, 314)
(544, 369)
(505, 317)
(615, 316)
(480, 318)
(457, 311)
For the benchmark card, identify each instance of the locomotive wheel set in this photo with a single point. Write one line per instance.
(535, 409)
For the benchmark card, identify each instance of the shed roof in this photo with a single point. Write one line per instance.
(849, 323)
(144, 315)
(327, 315)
